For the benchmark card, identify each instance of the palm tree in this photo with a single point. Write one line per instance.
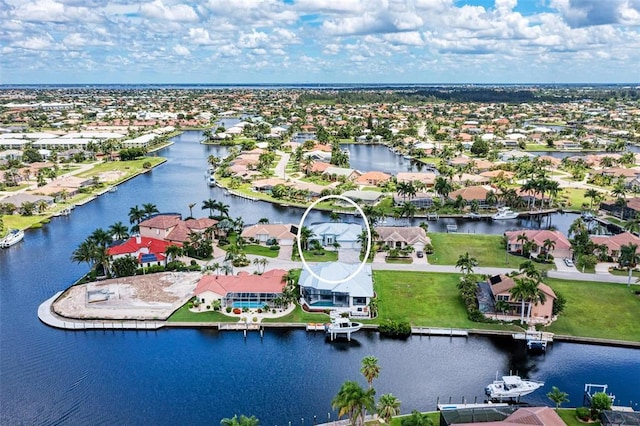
(173, 252)
(334, 216)
(522, 240)
(592, 194)
(522, 291)
(149, 209)
(135, 215)
(191, 206)
(370, 369)
(558, 397)
(529, 269)
(466, 263)
(502, 306)
(223, 209)
(548, 245)
(306, 234)
(242, 421)
(536, 295)
(388, 406)
(407, 209)
(85, 253)
(209, 204)
(443, 187)
(119, 231)
(353, 401)
(629, 258)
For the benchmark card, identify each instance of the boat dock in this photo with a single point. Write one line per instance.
(452, 228)
(428, 331)
(315, 326)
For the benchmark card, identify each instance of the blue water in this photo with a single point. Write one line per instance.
(188, 376)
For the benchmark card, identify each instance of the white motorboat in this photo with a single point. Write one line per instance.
(341, 327)
(504, 213)
(511, 387)
(211, 180)
(13, 237)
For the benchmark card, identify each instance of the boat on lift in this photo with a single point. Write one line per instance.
(341, 326)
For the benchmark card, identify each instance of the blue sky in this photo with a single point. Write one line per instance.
(319, 41)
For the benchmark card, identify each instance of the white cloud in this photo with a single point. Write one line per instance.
(181, 50)
(158, 10)
(44, 42)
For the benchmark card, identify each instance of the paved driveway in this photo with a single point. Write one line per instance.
(349, 255)
(286, 252)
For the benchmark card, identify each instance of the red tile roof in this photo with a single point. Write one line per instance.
(539, 236)
(163, 221)
(135, 245)
(270, 282)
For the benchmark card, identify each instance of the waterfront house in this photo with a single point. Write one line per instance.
(369, 198)
(373, 178)
(282, 234)
(561, 247)
(147, 251)
(352, 295)
(426, 178)
(244, 290)
(614, 243)
(19, 199)
(630, 209)
(170, 227)
(402, 236)
(329, 233)
(422, 200)
(337, 173)
(471, 194)
(501, 286)
(501, 416)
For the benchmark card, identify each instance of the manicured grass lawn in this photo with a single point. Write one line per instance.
(424, 299)
(433, 416)
(259, 250)
(487, 249)
(298, 315)
(316, 256)
(600, 310)
(185, 315)
(624, 273)
(568, 415)
(575, 198)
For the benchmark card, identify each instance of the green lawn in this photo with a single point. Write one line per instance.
(399, 260)
(424, 299)
(487, 249)
(568, 415)
(434, 416)
(574, 197)
(316, 256)
(601, 310)
(185, 315)
(298, 315)
(259, 250)
(625, 273)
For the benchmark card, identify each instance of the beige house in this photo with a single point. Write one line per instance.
(515, 242)
(501, 286)
(170, 227)
(403, 236)
(284, 234)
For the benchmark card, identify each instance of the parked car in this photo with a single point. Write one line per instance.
(568, 262)
(420, 254)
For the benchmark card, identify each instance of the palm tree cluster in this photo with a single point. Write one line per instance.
(354, 401)
(527, 289)
(137, 214)
(213, 205)
(93, 250)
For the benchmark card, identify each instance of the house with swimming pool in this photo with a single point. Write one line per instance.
(244, 290)
(349, 295)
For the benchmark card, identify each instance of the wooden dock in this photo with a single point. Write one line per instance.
(428, 331)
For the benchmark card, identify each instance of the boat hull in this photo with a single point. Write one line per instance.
(12, 238)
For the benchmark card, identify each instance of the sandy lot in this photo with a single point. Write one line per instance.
(141, 297)
(111, 176)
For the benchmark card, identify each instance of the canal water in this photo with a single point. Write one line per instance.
(198, 376)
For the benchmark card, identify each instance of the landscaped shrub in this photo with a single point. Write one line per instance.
(237, 311)
(583, 413)
(394, 328)
(190, 305)
(228, 309)
(274, 248)
(208, 307)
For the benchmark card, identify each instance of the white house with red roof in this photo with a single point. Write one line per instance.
(244, 290)
(148, 251)
(562, 247)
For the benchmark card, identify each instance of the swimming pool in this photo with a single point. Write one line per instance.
(249, 305)
(322, 303)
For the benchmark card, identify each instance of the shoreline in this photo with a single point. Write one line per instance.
(54, 320)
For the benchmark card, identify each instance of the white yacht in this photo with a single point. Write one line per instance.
(511, 387)
(13, 237)
(340, 326)
(504, 213)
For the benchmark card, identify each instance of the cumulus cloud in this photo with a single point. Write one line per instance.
(583, 13)
(158, 10)
(181, 50)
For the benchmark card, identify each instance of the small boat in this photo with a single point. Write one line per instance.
(587, 216)
(65, 212)
(341, 326)
(511, 387)
(13, 237)
(504, 213)
(113, 189)
(473, 216)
